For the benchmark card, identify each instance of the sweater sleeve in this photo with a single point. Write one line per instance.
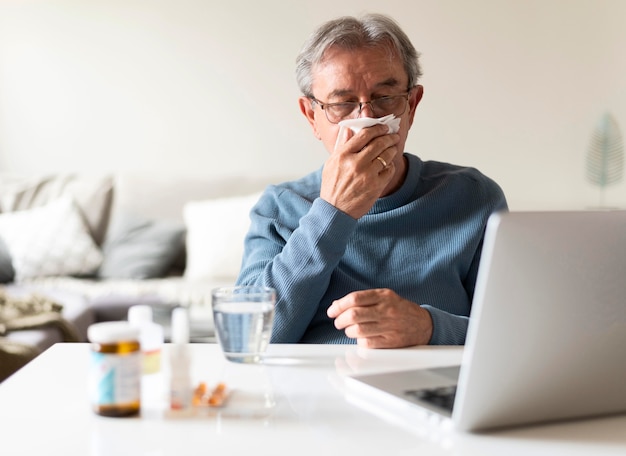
(295, 257)
(448, 329)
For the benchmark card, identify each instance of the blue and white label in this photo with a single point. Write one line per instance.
(115, 379)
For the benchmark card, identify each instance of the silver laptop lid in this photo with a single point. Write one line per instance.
(547, 339)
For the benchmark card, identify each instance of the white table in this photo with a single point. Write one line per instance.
(44, 409)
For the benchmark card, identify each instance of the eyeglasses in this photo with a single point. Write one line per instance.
(383, 106)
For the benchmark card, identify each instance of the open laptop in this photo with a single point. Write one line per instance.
(547, 333)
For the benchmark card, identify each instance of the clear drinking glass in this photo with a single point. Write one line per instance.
(243, 318)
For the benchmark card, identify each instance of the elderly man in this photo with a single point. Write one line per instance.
(377, 247)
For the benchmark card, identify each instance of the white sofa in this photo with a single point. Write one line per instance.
(138, 239)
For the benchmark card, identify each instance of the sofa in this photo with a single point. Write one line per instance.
(93, 246)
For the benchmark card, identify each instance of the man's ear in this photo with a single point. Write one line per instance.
(414, 99)
(306, 107)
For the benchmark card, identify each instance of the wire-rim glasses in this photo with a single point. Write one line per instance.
(383, 106)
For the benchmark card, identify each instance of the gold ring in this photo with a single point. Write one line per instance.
(384, 163)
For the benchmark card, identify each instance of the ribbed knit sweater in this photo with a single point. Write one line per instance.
(423, 242)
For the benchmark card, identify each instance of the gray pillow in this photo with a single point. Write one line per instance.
(7, 273)
(92, 194)
(138, 248)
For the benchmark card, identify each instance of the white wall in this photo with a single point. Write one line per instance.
(205, 88)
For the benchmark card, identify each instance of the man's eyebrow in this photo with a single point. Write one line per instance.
(387, 83)
(339, 93)
(391, 82)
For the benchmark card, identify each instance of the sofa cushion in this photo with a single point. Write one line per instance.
(216, 229)
(163, 197)
(93, 196)
(140, 248)
(49, 240)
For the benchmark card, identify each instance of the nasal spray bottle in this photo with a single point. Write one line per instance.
(180, 361)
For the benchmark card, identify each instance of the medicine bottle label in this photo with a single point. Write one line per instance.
(116, 379)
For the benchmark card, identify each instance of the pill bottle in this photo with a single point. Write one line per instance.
(115, 368)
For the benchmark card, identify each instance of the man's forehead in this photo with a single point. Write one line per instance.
(343, 71)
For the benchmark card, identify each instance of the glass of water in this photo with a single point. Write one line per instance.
(243, 318)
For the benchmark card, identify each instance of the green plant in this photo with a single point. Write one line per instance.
(605, 156)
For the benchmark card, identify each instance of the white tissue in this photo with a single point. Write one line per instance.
(356, 125)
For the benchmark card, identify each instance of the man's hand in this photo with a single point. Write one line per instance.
(380, 318)
(353, 178)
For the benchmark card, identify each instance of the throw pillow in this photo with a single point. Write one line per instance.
(215, 235)
(51, 240)
(139, 248)
(7, 274)
(93, 196)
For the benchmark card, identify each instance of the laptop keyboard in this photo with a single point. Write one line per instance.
(442, 397)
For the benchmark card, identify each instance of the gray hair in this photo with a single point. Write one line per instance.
(351, 33)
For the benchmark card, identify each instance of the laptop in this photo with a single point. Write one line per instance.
(547, 333)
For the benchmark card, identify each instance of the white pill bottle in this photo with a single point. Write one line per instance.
(115, 371)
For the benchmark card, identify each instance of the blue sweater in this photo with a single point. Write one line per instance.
(423, 242)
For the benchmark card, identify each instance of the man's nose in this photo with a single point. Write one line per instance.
(366, 110)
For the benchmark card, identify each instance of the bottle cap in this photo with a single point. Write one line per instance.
(110, 332)
(180, 326)
(140, 314)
